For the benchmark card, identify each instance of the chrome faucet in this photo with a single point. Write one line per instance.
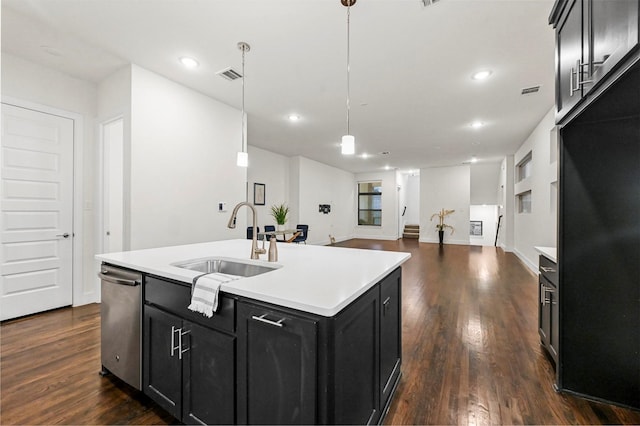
(255, 251)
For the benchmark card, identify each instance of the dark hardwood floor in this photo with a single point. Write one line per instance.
(470, 346)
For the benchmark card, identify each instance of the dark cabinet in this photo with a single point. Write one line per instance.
(390, 336)
(257, 363)
(592, 38)
(277, 366)
(599, 246)
(189, 369)
(356, 362)
(162, 372)
(569, 57)
(548, 307)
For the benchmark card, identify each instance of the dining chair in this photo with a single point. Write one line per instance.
(250, 232)
(302, 238)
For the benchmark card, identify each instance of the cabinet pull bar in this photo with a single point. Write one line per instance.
(173, 339)
(180, 350)
(262, 318)
(547, 269)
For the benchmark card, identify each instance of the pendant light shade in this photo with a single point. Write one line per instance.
(348, 141)
(242, 159)
(348, 145)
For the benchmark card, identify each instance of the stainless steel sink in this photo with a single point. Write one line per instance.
(225, 266)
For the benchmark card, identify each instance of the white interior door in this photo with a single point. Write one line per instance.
(37, 212)
(113, 185)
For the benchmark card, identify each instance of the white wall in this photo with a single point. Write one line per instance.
(314, 183)
(389, 228)
(489, 217)
(27, 81)
(448, 188)
(272, 170)
(484, 181)
(183, 162)
(538, 228)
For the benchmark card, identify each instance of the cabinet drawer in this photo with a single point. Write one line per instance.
(548, 269)
(175, 297)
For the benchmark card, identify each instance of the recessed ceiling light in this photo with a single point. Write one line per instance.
(387, 167)
(474, 160)
(365, 155)
(294, 117)
(481, 75)
(188, 62)
(477, 124)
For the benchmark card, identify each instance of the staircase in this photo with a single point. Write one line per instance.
(411, 231)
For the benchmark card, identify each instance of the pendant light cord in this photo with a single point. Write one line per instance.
(348, 66)
(243, 119)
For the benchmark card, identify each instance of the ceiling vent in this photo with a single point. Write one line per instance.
(529, 90)
(426, 3)
(229, 74)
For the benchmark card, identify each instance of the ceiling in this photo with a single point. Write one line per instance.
(411, 88)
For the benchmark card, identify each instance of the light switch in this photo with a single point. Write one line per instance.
(222, 206)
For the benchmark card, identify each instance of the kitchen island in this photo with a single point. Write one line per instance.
(317, 339)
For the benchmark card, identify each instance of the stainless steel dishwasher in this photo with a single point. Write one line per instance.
(121, 324)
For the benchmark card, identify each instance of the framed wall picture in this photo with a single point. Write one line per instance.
(476, 228)
(258, 194)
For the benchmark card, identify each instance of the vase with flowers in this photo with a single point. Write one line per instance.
(441, 226)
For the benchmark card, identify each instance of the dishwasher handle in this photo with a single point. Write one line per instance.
(119, 276)
(116, 280)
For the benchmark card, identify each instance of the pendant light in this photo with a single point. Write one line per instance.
(348, 146)
(242, 159)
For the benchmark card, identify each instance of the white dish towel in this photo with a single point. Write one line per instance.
(204, 297)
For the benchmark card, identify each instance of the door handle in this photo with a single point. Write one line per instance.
(65, 235)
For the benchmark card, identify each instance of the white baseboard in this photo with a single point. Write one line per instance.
(527, 262)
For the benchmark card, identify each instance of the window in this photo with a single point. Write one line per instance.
(524, 202)
(370, 203)
(523, 169)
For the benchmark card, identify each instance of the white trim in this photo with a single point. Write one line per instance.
(78, 295)
(527, 262)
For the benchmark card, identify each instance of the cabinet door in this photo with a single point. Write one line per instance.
(357, 363)
(277, 367)
(208, 367)
(390, 334)
(544, 311)
(569, 57)
(162, 375)
(614, 32)
(554, 327)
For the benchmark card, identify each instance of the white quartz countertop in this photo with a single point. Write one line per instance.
(548, 252)
(317, 279)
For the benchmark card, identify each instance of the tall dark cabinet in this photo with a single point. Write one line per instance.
(599, 204)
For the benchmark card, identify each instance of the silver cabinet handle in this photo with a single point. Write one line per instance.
(181, 351)
(173, 339)
(262, 318)
(65, 235)
(547, 269)
(385, 306)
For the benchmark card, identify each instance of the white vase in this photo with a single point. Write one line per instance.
(280, 227)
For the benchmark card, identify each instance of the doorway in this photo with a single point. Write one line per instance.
(113, 186)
